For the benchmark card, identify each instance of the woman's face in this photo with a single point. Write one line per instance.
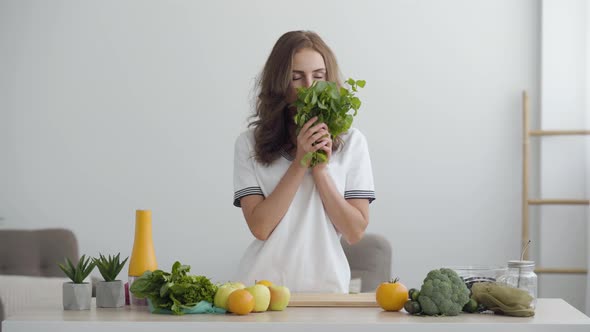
(308, 66)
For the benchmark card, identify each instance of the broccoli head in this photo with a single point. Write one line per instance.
(443, 293)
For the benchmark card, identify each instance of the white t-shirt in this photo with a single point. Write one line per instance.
(304, 251)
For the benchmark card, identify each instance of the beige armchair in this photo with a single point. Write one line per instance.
(369, 260)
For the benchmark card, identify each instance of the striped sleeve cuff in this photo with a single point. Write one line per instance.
(246, 192)
(368, 194)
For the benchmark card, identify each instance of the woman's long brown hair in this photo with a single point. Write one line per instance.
(272, 118)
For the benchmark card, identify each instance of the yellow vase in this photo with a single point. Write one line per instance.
(143, 256)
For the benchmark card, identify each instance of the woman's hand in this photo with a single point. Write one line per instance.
(312, 138)
(325, 144)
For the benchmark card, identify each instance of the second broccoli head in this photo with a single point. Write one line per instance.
(443, 293)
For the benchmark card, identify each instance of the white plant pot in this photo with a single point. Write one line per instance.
(110, 294)
(77, 296)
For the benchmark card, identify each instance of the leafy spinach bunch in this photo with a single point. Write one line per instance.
(331, 104)
(174, 291)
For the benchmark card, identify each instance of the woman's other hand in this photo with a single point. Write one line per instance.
(325, 144)
(312, 137)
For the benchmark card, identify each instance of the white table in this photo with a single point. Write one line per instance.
(551, 315)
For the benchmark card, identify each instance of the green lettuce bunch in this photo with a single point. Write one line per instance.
(174, 291)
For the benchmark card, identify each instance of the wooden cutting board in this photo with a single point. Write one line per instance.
(332, 300)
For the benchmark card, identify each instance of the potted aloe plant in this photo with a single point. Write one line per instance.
(110, 293)
(77, 293)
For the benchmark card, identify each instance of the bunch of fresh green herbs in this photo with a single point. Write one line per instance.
(331, 104)
(174, 291)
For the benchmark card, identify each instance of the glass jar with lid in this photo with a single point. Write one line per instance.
(521, 274)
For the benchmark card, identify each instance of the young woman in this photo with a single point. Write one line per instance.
(296, 213)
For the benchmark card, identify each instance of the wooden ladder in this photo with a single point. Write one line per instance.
(526, 200)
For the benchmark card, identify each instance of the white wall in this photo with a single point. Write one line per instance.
(110, 106)
(587, 115)
(563, 229)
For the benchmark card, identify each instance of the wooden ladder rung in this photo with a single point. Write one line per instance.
(560, 270)
(558, 132)
(558, 202)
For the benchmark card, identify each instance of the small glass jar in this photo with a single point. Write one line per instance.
(521, 274)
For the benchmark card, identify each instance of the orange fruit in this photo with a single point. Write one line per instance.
(240, 302)
(391, 296)
(264, 282)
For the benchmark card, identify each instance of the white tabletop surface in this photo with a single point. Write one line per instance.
(550, 315)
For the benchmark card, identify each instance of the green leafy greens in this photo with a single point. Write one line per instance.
(174, 291)
(331, 104)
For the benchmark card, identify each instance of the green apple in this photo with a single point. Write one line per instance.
(223, 292)
(279, 297)
(237, 284)
(261, 295)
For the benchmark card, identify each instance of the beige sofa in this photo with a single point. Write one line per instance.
(34, 253)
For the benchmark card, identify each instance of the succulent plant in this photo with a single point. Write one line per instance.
(110, 266)
(78, 272)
